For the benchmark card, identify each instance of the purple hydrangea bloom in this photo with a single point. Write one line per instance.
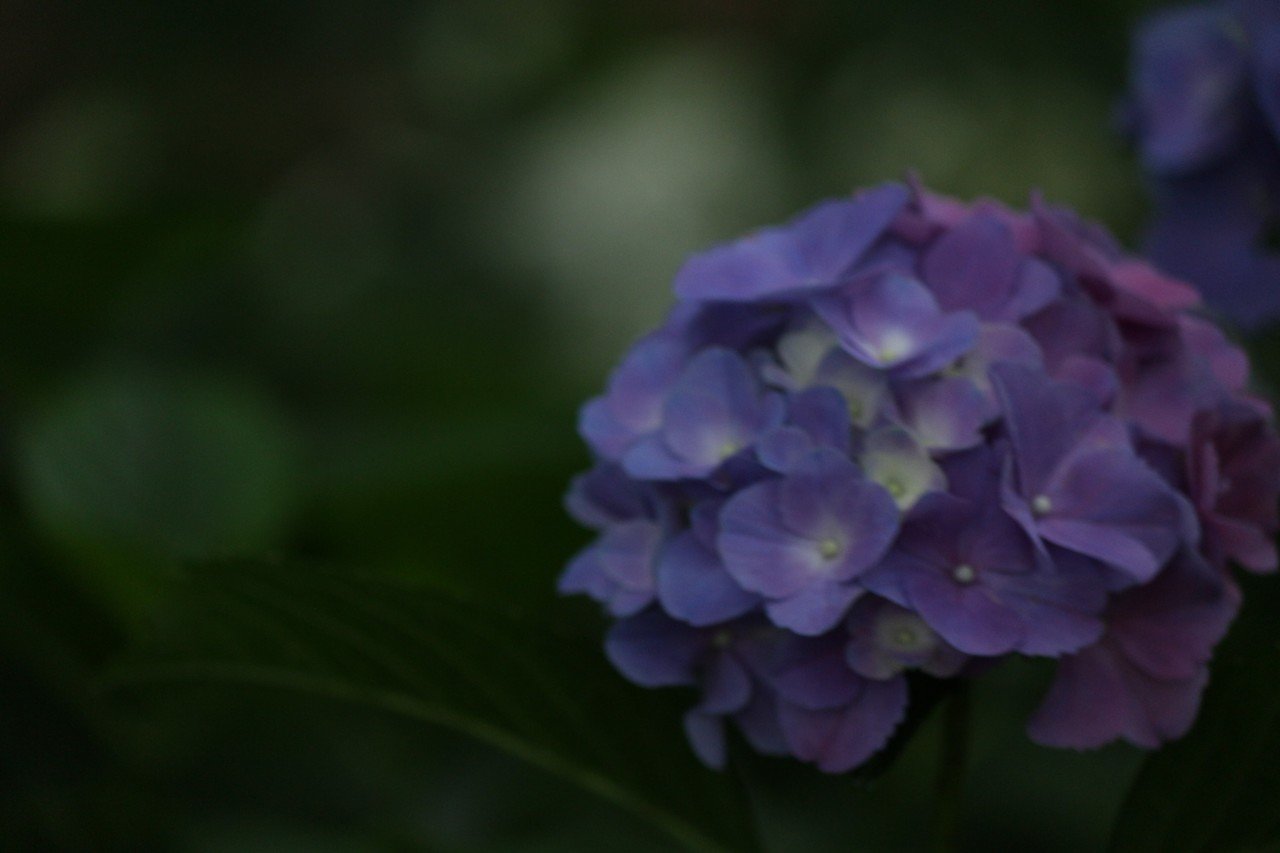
(906, 434)
(1204, 112)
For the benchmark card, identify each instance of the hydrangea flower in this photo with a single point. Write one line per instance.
(1204, 112)
(904, 434)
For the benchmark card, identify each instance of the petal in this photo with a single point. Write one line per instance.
(892, 322)
(814, 610)
(1089, 704)
(637, 388)
(693, 585)
(1097, 698)
(1045, 420)
(653, 650)
(1109, 504)
(1168, 628)
(605, 495)
(706, 737)
(946, 413)
(972, 266)
(840, 739)
(626, 553)
(726, 686)
(760, 553)
(759, 724)
(967, 617)
(812, 251)
(812, 673)
(1189, 82)
(714, 410)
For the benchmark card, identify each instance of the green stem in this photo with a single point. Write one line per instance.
(952, 755)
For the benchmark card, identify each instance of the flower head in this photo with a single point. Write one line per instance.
(906, 434)
(1204, 112)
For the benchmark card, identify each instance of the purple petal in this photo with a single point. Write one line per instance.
(726, 686)
(835, 235)
(653, 650)
(840, 739)
(706, 737)
(632, 406)
(817, 417)
(811, 673)
(998, 343)
(946, 413)
(1189, 81)
(693, 585)
(1262, 22)
(814, 610)
(1206, 231)
(823, 415)
(1168, 628)
(821, 524)
(759, 724)
(894, 323)
(758, 551)
(1108, 504)
(811, 252)
(1092, 375)
(1036, 287)
(1045, 420)
(972, 266)
(589, 573)
(1096, 698)
(605, 495)
(713, 411)
(627, 550)
(1061, 603)
(969, 618)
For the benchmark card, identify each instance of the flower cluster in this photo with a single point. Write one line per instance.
(1204, 110)
(905, 433)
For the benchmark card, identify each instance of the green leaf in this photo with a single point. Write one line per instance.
(1219, 788)
(514, 682)
(188, 465)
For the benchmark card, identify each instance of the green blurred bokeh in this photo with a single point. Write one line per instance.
(328, 281)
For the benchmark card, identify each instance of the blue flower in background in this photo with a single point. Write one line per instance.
(1204, 112)
(905, 434)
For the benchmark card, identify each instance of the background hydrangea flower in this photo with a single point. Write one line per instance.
(905, 434)
(1204, 112)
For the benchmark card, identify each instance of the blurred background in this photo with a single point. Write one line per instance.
(329, 280)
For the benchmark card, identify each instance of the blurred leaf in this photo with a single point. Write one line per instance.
(512, 682)
(189, 466)
(1217, 789)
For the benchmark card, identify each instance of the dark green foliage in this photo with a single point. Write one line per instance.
(513, 682)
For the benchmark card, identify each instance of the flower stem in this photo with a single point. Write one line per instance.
(952, 756)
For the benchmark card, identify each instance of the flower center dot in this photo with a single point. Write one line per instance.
(1041, 504)
(894, 487)
(722, 639)
(904, 637)
(964, 573)
(829, 549)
